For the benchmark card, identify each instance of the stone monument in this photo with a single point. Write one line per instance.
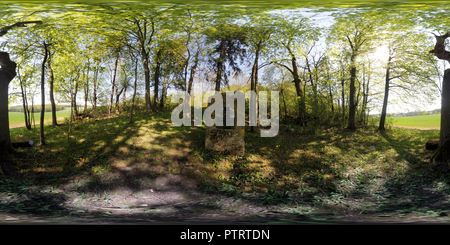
(226, 140)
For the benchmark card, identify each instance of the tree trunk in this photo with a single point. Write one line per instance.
(75, 107)
(142, 37)
(164, 92)
(94, 97)
(52, 98)
(147, 82)
(192, 74)
(86, 89)
(118, 93)
(386, 95)
(113, 82)
(443, 152)
(254, 78)
(26, 112)
(343, 100)
(352, 104)
(220, 66)
(7, 73)
(32, 111)
(41, 126)
(298, 89)
(134, 92)
(157, 74)
(284, 102)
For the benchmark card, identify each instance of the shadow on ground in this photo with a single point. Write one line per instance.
(149, 171)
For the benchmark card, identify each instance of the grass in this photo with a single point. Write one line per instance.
(419, 122)
(426, 121)
(329, 168)
(17, 119)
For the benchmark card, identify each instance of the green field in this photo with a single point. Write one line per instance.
(17, 119)
(425, 122)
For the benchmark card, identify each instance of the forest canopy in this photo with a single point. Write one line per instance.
(329, 61)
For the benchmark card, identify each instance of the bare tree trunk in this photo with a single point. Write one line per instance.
(134, 92)
(26, 112)
(157, 74)
(41, 134)
(343, 100)
(220, 66)
(254, 78)
(298, 88)
(94, 97)
(7, 73)
(148, 104)
(113, 81)
(118, 93)
(52, 98)
(386, 95)
(163, 92)
(443, 152)
(74, 98)
(352, 104)
(192, 74)
(86, 88)
(32, 111)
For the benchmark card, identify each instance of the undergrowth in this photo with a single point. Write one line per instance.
(326, 165)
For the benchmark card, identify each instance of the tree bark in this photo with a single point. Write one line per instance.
(220, 66)
(298, 88)
(142, 38)
(157, 74)
(94, 97)
(343, 100)
(113, 82)
(192, 74)
(41, 126)
(7, 73)
(52, 98)
(442, 154)
(134, 92)
(147, 82)
(386, 95)
(254, 78)
(74, 98)
(86, 88)
(352, 104)
(26, 112)
(118, 93)
(163, 92)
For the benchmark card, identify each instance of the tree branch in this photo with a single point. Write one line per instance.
(439, 49)
(5, 29)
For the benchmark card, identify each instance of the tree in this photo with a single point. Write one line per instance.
(443, 152)
(231, 41)
(257, 37)
(51, 91)
(7, 73)
(292, 35)
(41, 132)
(358, 32)
(409, 69)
